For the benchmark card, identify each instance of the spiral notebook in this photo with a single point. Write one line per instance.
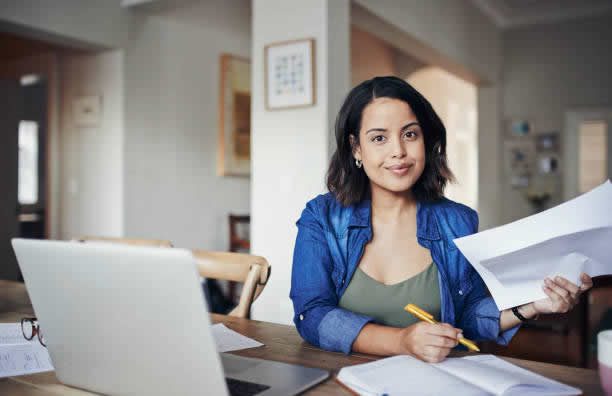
(470, 375)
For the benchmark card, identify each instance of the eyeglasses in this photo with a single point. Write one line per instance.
(30, 328)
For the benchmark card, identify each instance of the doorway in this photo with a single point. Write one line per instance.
(27, 81)
(587, 149)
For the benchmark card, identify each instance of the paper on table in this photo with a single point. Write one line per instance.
(514, 259)
(23, 359)
(10, 334)
(228, 340)
(19, 356)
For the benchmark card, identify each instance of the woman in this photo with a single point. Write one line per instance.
(383, 237)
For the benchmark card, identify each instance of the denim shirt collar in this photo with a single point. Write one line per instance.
(427, 225)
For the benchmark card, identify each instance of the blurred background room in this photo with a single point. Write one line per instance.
(153, 119)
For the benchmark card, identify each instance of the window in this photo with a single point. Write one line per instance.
(27, 191)
(592, 155)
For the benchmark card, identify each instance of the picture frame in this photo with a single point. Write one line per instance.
(234, 129)
(290, 74)
(547, 142)
(87, 110)
(548, 164)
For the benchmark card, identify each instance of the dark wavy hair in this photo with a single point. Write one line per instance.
(350, 184)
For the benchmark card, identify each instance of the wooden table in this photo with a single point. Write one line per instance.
(281, 343)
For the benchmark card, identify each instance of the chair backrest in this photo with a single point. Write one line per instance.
(125, 241)
(253, 271)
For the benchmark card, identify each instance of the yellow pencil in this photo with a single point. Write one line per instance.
(419, 313)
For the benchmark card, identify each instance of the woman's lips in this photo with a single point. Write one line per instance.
(400, 170)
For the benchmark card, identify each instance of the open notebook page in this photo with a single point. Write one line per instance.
(404, 375)
(502, 378)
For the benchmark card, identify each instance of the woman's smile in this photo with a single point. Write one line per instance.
(399, 169)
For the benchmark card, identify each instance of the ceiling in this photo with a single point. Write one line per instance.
(516, 13)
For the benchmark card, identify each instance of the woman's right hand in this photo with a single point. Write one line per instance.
(428, 342)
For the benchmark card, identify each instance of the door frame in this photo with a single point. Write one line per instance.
(573, 119)
(47, 65)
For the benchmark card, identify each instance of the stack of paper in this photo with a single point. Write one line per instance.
(473, 375)
(19, 356)
(571, 238)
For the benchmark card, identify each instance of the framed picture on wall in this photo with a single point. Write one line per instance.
(290, 74)
(87, 110)
(234, 144)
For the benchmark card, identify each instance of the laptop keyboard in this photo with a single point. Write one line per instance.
(244, 388)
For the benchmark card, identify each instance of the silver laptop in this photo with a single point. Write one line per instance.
(126, 320)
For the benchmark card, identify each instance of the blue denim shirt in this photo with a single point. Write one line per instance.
(330, 243)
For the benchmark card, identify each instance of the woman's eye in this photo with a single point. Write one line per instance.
(378, 138)
(410, 135)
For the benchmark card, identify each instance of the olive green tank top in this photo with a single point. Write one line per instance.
(365, 295)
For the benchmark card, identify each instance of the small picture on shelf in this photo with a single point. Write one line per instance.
(519, 156)
(548, 165)
(519, 128)
(547, 142)
(519, 181)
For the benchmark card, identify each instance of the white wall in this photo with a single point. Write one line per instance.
(171, 67)
(101, 23)
(551, 69)
(290, 148)
(92, 157)
(172, 87)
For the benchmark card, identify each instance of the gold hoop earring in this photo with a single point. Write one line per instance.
(358, 162)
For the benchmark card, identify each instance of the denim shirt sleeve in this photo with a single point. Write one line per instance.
(315, 302)
(480, 318)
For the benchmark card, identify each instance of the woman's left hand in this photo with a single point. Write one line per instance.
(562, 294)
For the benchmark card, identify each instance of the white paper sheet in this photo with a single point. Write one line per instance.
(228, 340)
(19, 356)
(24, 359)
(503, 378)
(10, 334)
(571, 238)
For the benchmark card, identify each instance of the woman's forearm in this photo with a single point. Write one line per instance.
(508, 320)
(377, 340)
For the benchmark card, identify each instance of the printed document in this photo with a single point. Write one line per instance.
(574, 237)
(19, 356)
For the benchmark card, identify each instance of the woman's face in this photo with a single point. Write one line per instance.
(391, 145)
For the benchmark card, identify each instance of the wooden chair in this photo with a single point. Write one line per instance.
(253, 271)
(125, 241)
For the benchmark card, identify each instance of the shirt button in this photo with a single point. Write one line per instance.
(301, 317)
(461, 292)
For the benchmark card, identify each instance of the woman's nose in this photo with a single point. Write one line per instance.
(398, 149)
